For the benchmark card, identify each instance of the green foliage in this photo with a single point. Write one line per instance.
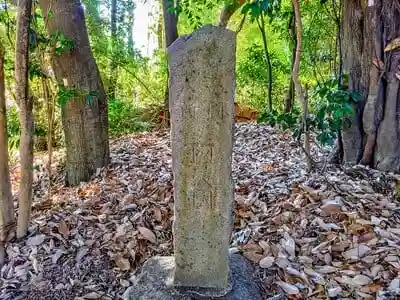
(332, 109)
(61, 43)
(258, 7)
(13, 128)
(195, 12)
(64, 94)
(125, 118)
(141, 81)
(329, 114)
(284, 120)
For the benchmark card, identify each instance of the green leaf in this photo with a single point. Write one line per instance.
(246, 8)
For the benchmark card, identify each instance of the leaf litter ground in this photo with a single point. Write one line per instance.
(332, 234)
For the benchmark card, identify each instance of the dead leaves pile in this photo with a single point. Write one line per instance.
(88, 245)
(321, 236)
(314, 236)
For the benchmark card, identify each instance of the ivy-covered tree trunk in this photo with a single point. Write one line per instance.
(372, 58)
(7, 219)
(26, 118)
(84, 102)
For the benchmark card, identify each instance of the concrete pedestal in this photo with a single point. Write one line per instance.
(155, 282)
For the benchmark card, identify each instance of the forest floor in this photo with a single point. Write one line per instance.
(310, 236)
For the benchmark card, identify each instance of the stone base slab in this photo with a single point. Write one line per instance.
(155, 282)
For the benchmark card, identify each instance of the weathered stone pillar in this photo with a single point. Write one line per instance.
(201, 93)
(202, 71)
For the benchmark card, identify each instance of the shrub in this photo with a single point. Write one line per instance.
(124, 117)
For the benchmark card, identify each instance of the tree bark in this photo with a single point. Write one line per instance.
(299, 89)
(25, 116)
(7, 219)
(374, 72)
(85, 114)
(171, 34)
(130, 34)
(50, 123)
(160, 27)
(289, 99)
(387, 154)
(228, 10)
(113, 65)
(261, 26)
(353, 62)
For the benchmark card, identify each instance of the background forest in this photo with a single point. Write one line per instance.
(136, 84)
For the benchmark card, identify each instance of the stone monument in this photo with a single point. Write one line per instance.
(201, 93)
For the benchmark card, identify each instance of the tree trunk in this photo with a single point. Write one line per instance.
(160, 29)
(113, 65)
(7, 219)
(355, 56)
(228, 10)
(289, 99)
(261, 26)
(374, 71)
(85, 114)
(299, 89)
(171, 34)
(50, 123)
(130, 34)
(387, 101)
(25, 115)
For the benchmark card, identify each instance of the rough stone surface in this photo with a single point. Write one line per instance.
(155, 282)
(202, 76)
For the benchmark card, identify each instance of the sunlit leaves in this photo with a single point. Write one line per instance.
(62, 43)
(332, 109)
(258, 7)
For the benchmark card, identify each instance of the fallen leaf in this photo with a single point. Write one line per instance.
(36, 240)
(288, 244)
(57, 256)
(361, 280)
(147, 234)
(356, 253)
(63, 229)
(334, 292)
(81, 253)
(267, 262)
(289, 289)
(93, 295)
(394, 285)
(122, 263)
(326, 269)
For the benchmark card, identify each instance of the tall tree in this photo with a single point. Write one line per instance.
(298, 87)
(261, 26)
(113, 64)
(171, 34)
(84, 111)
(131, 20)
(289, 99)
(25, 102)
(7, 219)
(372, 58)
